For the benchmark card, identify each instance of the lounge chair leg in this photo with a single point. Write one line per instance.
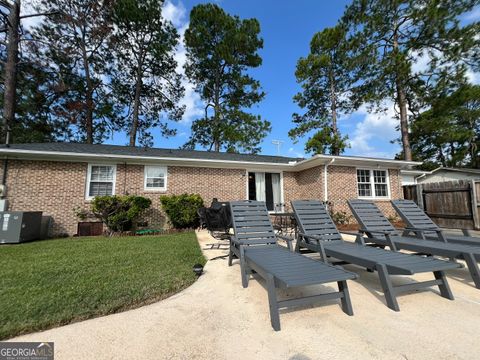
(243, 268)
(346, 302)
(387, 287)
(230, 255)
(473, 268)
(272, 301)
(443, 286)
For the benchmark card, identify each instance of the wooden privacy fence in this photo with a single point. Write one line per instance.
(451, 204)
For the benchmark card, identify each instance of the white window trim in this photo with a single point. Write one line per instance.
(282, 198)
(372, 184)
(89, 174)
(162, 189)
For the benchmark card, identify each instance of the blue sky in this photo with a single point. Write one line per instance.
(286, 28)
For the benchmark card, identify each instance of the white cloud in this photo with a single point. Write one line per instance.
(473, 15)
(473, 77)
(375, 128)
(27, 8)
(176, 13)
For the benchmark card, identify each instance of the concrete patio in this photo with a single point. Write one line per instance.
(216, 318)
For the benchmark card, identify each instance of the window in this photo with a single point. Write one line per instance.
(363, 180)
(372, 183)
(155, 178)
(100, 180)
(266, 187)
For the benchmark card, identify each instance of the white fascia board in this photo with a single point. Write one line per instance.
(355, 161)
(141, 160)
(316, 160)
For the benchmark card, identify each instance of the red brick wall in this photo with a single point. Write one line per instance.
(342, 186)
(56, 188)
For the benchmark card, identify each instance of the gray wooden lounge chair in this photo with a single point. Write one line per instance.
(255, 244)
(420, 224)
(381, 232)
(318, 233)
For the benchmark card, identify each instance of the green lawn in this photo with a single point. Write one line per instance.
(49, 283)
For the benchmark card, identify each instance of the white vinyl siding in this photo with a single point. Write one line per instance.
(155, 178)
(373, 183)
(100, 180)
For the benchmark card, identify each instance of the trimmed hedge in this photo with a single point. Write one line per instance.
(119, 213)
(182, 209)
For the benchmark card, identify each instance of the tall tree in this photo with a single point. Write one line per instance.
(10, 70)
(448, 134)
(326, 76)
(73, 45)
(220, 50)
(392, 34)
(145, 77)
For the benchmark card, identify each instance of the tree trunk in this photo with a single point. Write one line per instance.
(11, 69)
(136, 106)
(335, 150)
(88, 97)
(402, 104)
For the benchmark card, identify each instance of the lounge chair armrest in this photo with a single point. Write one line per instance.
(288, 239)
(322, 253)
(375, 232)
(314, 237)
(439, 232)
(234, 240)
(387, 234)
(420, 229)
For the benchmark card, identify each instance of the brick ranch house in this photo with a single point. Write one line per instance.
(56, 178)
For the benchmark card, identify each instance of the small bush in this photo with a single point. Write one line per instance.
(182, 209)
(119, 213)
(340, 217)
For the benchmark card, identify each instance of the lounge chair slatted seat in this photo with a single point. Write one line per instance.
(387, 235)
(385, 262)
(415, 218)
(255, 244)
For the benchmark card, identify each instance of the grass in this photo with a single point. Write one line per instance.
(56, 282)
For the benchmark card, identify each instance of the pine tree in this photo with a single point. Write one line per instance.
(391, 34)
(326, 76)
(220, 50)
(145, 79)
(72, 45)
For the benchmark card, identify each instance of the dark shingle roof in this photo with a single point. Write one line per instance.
(76, 148)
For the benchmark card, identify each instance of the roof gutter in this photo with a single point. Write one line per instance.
(145, 158)
(316, 160)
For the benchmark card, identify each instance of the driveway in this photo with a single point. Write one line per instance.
(216, 318)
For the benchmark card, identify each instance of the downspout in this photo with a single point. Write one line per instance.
(5, 161)
(5, 166)
(325, 180)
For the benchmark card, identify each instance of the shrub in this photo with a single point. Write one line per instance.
(340, 217)
(118, 213)
(182, 209)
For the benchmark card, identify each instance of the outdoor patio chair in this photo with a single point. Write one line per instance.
(421, 225)
(255, 244)
(381, 232)
(318, 233)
